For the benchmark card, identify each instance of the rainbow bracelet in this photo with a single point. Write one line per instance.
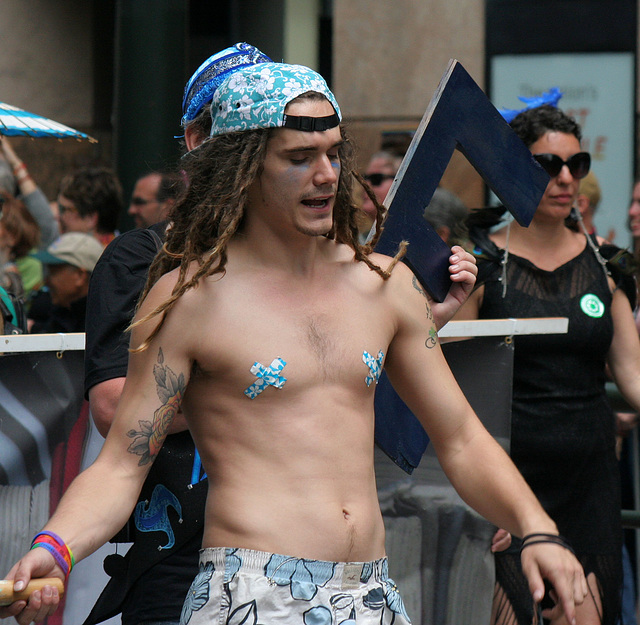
(57, 548)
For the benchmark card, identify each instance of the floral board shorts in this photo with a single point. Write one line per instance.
(241, 586)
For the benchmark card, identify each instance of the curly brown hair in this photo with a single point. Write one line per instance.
(220, 172)
(95, 190)
(533, 123)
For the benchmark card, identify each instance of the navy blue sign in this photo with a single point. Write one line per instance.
(459, 116)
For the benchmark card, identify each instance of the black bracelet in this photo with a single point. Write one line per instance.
(552, 539)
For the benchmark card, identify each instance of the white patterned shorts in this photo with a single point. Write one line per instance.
(241, 586)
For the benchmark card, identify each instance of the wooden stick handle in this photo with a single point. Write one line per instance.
(8, 595)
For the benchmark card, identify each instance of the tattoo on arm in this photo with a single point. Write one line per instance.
(432, 339)
(417, 286)
(433, 335)
(170, 388)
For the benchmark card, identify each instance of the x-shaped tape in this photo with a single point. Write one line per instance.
(267, 376)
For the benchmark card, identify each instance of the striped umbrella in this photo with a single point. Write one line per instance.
(15, 122)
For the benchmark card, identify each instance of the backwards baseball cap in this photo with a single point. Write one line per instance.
(256, 97)
(207, 78)
(73, 248)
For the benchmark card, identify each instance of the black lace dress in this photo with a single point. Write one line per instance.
(563, 429)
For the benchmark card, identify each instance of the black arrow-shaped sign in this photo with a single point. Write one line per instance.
(459, 116)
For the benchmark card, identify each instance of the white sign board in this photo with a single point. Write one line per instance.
(599, 92)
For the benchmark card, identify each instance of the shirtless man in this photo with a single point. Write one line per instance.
(280, 402)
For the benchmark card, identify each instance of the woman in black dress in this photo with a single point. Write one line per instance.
(563, 429)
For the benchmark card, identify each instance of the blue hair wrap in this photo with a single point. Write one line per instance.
(208, 77)
(551, 97)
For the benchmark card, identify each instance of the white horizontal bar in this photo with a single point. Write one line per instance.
(506, 327)
(41, 342)
(453, 329)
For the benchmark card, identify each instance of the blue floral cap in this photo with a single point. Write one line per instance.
(207, 78)
(256, 97)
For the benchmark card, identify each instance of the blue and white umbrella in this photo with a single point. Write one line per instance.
(15, 122)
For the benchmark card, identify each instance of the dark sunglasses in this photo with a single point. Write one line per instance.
(375, 180)
(578, 164)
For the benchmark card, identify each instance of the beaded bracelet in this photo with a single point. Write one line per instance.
(552, 539)
(57, 548)
(18, 167)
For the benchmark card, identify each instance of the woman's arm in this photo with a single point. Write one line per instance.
(34, 199)
(624, 354)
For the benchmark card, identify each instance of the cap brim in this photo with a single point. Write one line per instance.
(48, 259)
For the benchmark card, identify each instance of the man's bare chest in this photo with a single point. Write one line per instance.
(265, 339)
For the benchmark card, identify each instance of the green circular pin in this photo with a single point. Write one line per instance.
(592, 306)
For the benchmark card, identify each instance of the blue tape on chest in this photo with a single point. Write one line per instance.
(267, 376)
(375, 366)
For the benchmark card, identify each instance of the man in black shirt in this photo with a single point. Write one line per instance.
(165, 553)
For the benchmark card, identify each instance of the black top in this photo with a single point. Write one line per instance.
(116, 284)
(563, 428)
(152, 581)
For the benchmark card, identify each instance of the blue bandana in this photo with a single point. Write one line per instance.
(207, 78)
(256, 97)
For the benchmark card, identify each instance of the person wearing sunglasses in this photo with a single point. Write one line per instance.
(380, 172)
(563, 429)
(154, 194)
